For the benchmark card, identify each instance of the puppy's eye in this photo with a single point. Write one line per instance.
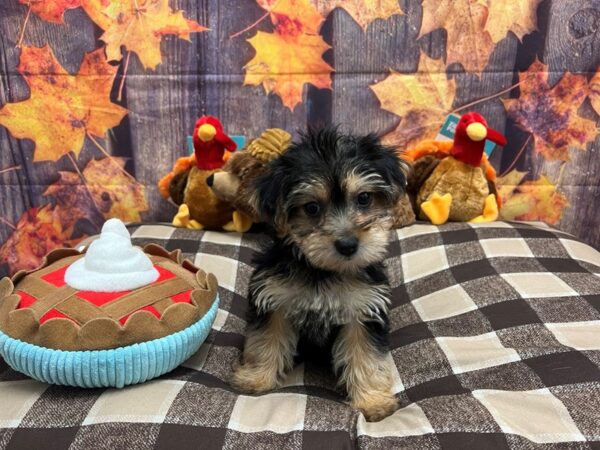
(363, 199)
(312, 209)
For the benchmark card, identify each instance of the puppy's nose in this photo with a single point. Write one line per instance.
(210, 180)
(347, 246)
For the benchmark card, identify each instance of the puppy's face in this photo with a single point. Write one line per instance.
(331, 195)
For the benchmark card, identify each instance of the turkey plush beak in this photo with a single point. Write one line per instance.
(494, 136)
(206, 132)
(477, 131)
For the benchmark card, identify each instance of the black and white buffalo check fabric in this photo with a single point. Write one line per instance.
(495, 337)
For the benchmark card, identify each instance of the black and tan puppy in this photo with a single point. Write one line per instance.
(322, 280)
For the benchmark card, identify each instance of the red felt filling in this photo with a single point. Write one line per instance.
(53, 314)
(57, 278)
(26, 299)
(100, 298)
(164, 274)
(182, 297)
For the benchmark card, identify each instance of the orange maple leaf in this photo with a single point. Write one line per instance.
(595, 91)
(550, 113)
(115, 193)
(468, 42)
(518, 16)
(104, 192)
(72, 202)
(422, 99)
(139, 26)
(530, 200)
(284, 62)
(51, 10)
(38, 232)
(62, 107)
(293, 15)
(362, 11)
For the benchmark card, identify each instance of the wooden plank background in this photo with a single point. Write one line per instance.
(206, 76)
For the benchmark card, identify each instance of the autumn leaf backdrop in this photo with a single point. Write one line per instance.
(97, 96)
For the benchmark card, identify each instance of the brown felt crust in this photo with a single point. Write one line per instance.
(102, 331)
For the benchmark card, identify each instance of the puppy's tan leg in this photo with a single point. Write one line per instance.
(268, 353)
(365, 372)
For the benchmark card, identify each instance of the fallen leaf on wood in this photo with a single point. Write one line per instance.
(518, 16)
(422, 99)
(106, 193)
(37, 232)
(530, 200)
(285, 62)
(550, 112)
(51, 10)
(362, 11)
(595, 91)
(115, 194)
(468, 43)
(62, 107)
(293, 16)
(139, 26)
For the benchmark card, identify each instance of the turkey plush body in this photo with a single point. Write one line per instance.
(467, 185)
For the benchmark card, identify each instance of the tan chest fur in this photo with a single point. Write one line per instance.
(337, 302)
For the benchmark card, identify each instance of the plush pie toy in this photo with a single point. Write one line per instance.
(112, 315)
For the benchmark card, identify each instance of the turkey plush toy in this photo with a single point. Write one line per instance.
(454, 180)
(235, 184)
(186, 184)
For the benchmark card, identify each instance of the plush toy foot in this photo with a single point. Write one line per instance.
(240, 223)
(437, 208)
(490, 211)
(182, 219)
(194, 225)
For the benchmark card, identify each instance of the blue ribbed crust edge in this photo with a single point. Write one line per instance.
(108, 368)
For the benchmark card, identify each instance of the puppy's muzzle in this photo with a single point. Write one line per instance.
(347, 246)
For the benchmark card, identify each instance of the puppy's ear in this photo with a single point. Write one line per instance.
(395, 169)
(387, 162)
(268, 196)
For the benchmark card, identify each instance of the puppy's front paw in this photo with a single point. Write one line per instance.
(376, 406)
(254, 379)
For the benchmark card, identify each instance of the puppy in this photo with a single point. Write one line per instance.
(322, 280)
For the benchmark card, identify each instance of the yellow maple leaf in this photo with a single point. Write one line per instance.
(595, 91)
(62, 107)
(508, 183)
(139, 26)
(468, 43)
(293, 15)
(530, 200)
(422, 99)
(51, 10)
(362, 11)
(285, 62)
(550, 112)
(518, 16)
(115, 193)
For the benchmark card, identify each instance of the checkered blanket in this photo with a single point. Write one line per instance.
(495, 337)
